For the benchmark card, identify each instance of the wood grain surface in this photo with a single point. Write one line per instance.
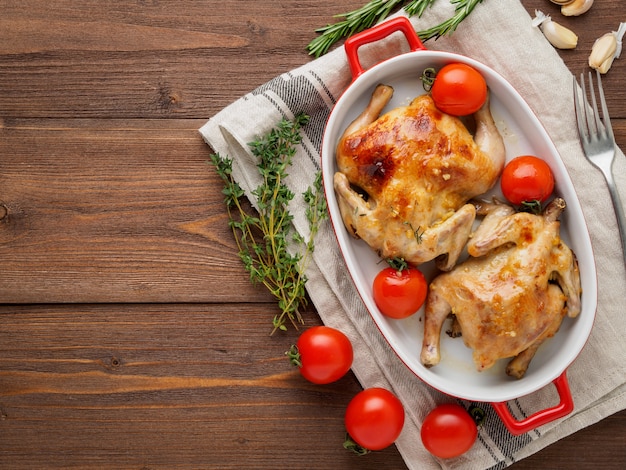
(130, 335)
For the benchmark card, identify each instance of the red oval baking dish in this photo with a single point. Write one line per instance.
(523, 134)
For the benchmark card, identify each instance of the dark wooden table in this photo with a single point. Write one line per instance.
(130, 336)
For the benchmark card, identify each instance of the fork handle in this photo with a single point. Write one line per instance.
(619, 211)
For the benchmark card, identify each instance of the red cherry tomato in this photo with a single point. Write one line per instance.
(527, 179)
(459, 89)
(399, 293)
(323, 354)
(374, 418)
(448, 431)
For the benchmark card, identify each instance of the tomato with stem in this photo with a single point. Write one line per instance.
(459, 89)
(449, 430)
(399, 290)
(527, 179)
(374, 419)
(322, 354)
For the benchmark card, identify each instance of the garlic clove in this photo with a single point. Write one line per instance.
(576, 8)
(606, 49)
(562, 2)
(603, 53)
(558, 35)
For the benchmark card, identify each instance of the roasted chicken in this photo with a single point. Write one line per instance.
(513, 291)
(405, 178)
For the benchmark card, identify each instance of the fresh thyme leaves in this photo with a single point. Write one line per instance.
(377, 10)
(272, 252)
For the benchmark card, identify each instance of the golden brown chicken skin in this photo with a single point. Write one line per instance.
(405, 178)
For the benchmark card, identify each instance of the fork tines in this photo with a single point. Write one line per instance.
(590, 126)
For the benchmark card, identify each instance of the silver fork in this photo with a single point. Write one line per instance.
(598, 142)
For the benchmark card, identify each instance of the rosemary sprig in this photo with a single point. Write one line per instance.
(271, 251)
(461, 11)
(377, 10)
(353, 22)
(418, 232)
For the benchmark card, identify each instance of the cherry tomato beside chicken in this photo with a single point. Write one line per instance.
(399, 293)
(459, 89)
(323, 354)
(374, 419)
(527, 179)
(448, 431)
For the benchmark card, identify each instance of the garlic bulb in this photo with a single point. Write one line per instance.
(576, 8)
(606, 49)
(559, 36)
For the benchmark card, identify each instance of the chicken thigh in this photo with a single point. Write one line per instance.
(405, 178)
(512, 292)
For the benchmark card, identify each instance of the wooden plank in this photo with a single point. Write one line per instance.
(105, 197)
(181, 386)
(154, 62)
(148, 60)
(114, 211)
(174, 386)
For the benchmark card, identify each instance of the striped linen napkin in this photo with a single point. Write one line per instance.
(500, 35)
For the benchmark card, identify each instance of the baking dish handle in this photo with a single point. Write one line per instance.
(377, 33)
(542, 417)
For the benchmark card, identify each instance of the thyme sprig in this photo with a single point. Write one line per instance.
(272, 252)
(375, 11)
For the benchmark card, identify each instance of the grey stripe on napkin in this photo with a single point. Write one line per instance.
(499, 34)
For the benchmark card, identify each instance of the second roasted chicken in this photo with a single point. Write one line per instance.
(511, 294)
(405, 178)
